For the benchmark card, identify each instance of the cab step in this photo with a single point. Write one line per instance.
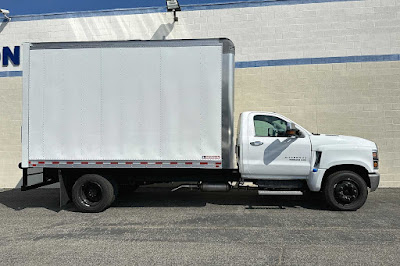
(280, 193)
(281, 185)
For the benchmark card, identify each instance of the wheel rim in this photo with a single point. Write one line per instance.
(346, 191)
(91, 193)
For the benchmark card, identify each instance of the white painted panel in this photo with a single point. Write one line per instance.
(110, 113)
(211, 100)
(91, 100)
(63, 90)
(190, 103)
(52, 94)
(143, 103)
(180, 98)
(36, 105)
(78, 73)
(140, 80)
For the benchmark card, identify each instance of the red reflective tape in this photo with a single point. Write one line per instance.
(41, 162)
(114, 162)
(218, 163)
(70, 162)
(128, 162)
(188, 163)
(203, 162)
(55, 162)
(33, 164)
(99, 162)
(84, 162)
(173, 162)
(143, 162)
(158, 162)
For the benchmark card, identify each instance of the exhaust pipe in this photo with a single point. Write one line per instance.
(206, 187)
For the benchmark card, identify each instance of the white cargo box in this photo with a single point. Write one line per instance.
(128, 104)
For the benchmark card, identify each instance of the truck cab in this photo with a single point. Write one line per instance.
(275, 152)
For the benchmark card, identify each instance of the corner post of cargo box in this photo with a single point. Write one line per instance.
(25, 116)
(228, 147)
(25, 106)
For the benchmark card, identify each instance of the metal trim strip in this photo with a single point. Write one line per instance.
(9, 74)
(124, 164)
(126, 44)
(319, 60)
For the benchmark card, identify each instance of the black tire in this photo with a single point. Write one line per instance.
(345, 191)
(115, 187)
(92, 193)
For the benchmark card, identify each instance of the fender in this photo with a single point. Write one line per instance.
(315, 179)
(336, 155)
(332, 155)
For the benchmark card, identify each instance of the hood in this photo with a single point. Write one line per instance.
(322, 140)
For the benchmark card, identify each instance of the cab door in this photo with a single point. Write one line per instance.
(271, 153)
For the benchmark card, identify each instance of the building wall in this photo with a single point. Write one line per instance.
(357, 99)
(10, 126)
(333, 66)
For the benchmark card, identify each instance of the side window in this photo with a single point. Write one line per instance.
(269, 126)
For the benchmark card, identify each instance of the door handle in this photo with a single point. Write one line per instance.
(256, 143)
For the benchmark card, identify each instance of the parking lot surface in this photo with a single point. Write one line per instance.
(156, 226)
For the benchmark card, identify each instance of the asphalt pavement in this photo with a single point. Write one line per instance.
(154, 226)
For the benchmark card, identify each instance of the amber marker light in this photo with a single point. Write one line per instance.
(375, 158)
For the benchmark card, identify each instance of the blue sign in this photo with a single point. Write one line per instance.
(14, 56)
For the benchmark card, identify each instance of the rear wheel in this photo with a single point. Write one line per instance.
(92, 193)
(345, 191)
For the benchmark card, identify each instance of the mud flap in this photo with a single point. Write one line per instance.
(64, 198)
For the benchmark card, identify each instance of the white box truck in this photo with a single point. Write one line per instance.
(99, 115)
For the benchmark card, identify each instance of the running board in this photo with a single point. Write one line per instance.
(279, 193)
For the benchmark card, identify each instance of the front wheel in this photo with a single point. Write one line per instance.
(92, 193)
(345, 191)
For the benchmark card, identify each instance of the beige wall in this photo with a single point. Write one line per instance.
(357, 99)
(10, 126)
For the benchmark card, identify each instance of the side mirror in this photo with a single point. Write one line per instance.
(291, 130)
(291, 126)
